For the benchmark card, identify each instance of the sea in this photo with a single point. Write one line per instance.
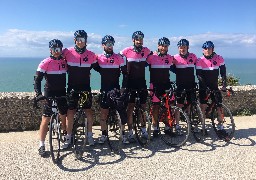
(17, 74)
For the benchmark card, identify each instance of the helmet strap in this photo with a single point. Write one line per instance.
(211, 56)
(58, 58)
(137, 49)
(184, 56)
(80, 50)
(160, 54)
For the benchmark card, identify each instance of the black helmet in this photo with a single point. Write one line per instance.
(55, 43)
(80, 33)
(208, 44)
(164, 41)
(137, 34)
(183, 42)
(107, 38)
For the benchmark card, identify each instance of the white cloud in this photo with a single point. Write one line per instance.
(23, 43)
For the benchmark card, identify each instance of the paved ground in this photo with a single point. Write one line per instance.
(212, 159)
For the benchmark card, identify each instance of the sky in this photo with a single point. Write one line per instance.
(27, 26)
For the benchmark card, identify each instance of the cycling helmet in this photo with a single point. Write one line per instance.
(164, 41)
(80, 33)
(55, 43)
(183, 42)
(208, 44)
(137, 34)
(107, 38)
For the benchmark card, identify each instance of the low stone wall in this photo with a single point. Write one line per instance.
(17, 113)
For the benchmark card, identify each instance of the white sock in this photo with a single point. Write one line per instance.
(41, 143)
(89, 134)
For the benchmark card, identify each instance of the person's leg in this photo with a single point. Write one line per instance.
(42, 134)
(103, 124)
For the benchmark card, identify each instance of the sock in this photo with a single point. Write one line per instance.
(89, 134)
(41, 143)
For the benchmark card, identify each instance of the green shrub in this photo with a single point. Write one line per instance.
(232, 80)
(245, 112)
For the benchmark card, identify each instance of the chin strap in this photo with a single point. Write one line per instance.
(137, 49)
(184, 56)
(80, 50)
(58, 58)
(210, 57)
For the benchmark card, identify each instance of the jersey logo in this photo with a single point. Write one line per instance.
(214, 62)
(112, 61)
(85, 59)
(166, 61)
(191, 61)
(142, 54)
(63, 66)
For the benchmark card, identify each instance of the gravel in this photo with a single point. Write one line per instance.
(213, 159)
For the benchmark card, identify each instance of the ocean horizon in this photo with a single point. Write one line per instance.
(18, 73)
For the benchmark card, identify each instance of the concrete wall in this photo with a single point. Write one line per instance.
(17, 113)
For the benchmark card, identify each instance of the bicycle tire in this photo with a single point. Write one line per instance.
(228, 123)
(172, 138)
(79, 133)
(114, 129)
(54, 138)
(137, 117)
(197, 122)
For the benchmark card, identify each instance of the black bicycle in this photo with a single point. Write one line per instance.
(194, 111)
(114, 123)
(79, 132)
(55, 135)
(221, 118)
(141, 119)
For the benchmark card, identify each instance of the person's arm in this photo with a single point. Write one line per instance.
(96, 67)
(37, 82)
(223, 76)
(173, 68)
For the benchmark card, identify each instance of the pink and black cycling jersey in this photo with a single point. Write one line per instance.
(79, 66)
(136, 63)
(54, 72)
(208, 71)
(185, 73)
(159, 67)
(110, 69)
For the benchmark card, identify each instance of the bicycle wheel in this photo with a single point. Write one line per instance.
(114, 130)
(138, 123)
(79, 133)
(197, 122)
(167, 127)
(228, 129)
(54, 138)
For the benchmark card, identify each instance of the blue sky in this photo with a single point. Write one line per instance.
(27, 26)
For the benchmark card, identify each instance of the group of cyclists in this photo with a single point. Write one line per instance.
(77, 62)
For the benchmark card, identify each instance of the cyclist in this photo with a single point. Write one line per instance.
(184, 67)
(135, 57)
(80, 62)
(53, 69)
(208, 69)
(160, 63)
(110, 66)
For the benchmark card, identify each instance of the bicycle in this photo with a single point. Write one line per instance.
(114, 123)
(141, 119)
(79, 131)
(55, 135)
(196, 117)
(167, 122)
(221, 117)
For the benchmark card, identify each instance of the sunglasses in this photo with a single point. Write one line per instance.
(109, 44)
(79, 39)
(56, 50)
